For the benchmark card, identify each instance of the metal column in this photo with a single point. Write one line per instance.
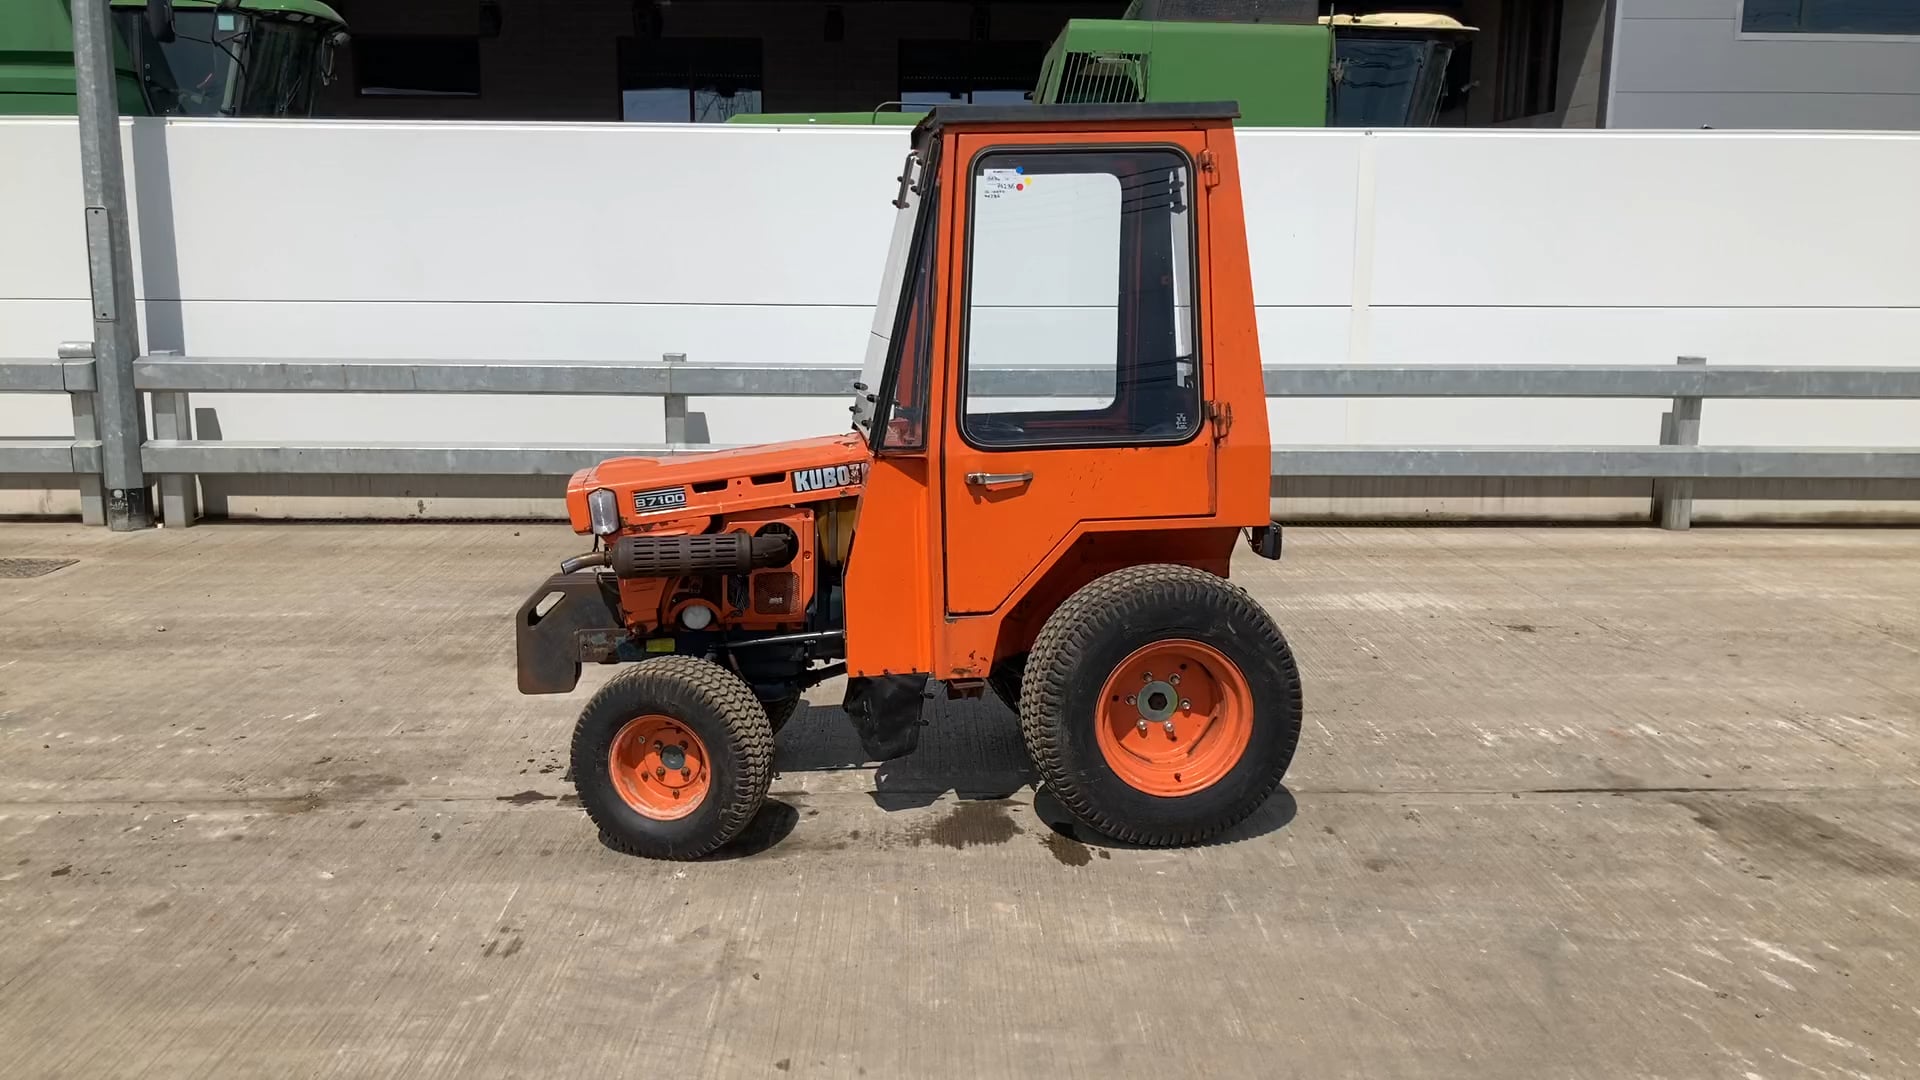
(116, 326)
(86, 428)
(1680, 427)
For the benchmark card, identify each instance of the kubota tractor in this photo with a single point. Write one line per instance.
(1070, 551)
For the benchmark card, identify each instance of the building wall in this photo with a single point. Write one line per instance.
(764, 245)
(1684, 64)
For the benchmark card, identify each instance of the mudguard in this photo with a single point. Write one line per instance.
(885, 710)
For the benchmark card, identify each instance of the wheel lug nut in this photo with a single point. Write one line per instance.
(1146, 676)
(659, 746)
(686, 774)
(1143, 726)
(1187, 705)
(659, 774)
(1174, 678)
(1169, 726)
(1129, 699)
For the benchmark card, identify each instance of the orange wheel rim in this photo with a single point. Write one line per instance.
(660, 767)
(1174, 717)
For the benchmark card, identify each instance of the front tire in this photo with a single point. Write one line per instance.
(1161, 705)
(672, 758)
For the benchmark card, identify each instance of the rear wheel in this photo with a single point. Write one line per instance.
(1161, 705)
(672, 758)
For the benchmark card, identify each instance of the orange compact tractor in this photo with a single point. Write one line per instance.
(1068, 549)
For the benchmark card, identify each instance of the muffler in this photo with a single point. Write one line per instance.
(677, 556)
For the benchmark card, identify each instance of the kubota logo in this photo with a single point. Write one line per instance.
(830, 476)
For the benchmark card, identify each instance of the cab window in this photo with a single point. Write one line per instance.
(1080, 268)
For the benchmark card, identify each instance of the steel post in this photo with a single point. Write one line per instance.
(116, 326)
(86, 428)
(1680, 428)
(675, 404)
(179, 492)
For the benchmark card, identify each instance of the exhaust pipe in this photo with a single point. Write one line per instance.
(581, 562)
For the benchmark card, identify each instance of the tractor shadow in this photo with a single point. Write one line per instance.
(1275, 814)
(971, 749)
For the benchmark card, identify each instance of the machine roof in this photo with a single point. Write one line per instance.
(1043, 115)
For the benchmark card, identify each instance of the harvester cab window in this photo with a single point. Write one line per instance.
(1082, 262)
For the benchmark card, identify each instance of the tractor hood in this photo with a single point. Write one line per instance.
(654, 491)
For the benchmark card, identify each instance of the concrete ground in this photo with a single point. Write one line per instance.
(1570, 802)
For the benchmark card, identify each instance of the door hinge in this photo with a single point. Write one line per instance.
(1209, 169)
(1221, 415)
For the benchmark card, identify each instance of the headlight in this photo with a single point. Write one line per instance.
(603, 511)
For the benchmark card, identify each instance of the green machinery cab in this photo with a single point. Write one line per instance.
(1382, 70)
(185, 58)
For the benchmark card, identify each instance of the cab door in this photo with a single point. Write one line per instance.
(1081, 261)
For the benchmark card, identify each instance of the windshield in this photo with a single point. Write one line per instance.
(886, 310)
(223, 63)
(1386, 82)
(281, 61)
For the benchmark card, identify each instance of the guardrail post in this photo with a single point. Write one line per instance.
(179, 493)
(675, 404)
(86, 428)
(1673, 499)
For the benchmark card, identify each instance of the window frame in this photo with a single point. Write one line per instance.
(1193, 275)
(1741, 33)
(925, 243)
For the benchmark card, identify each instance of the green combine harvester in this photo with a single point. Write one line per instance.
(1285, 65)
(185, 58)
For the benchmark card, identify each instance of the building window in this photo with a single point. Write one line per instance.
(1900, 17)
(688, 80)
(409, 66)
(968, 73)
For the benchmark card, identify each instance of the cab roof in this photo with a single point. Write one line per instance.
(1057, 115)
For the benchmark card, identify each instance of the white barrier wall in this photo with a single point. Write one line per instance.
(755, 244)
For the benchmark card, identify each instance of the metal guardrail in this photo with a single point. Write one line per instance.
(70, 373)
(177, 458)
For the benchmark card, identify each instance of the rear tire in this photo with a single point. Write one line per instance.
(1150, 646)
(672, 758)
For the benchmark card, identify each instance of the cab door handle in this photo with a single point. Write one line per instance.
(998, 479)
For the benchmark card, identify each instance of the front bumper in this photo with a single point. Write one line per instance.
(581, 624)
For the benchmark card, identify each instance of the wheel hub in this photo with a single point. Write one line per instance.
(659, 767)
(1175, 716)
(1158, 701)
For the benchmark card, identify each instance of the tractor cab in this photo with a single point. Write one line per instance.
(1059, 440)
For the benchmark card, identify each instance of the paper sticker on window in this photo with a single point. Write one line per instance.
(1003, 183)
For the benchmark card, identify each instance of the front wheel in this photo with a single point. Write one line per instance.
(1161, 705)
(672, 758)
